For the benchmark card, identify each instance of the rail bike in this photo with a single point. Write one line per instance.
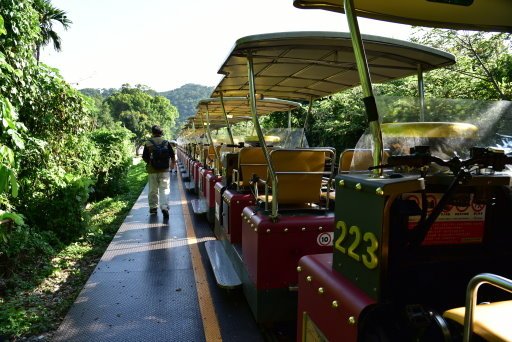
(422, 226)
(273, 211)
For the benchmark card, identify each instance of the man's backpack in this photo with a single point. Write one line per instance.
(160, 155)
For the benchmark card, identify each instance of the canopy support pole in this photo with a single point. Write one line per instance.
(310, 107)
(228, 126)
(217, 158)
(259, 132)
(421, 92)
(201, 152)
(366, 83)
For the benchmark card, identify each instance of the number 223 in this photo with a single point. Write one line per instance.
(369, 258)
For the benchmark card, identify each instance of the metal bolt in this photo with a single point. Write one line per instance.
(334, 304)
(299, 269)
(351, 320)
(320, 290)
(255, 229)
(237, 202)
(268, 230)
(320, 228)
(341, 183)
(303, 229)
(286, 230)
(379, 192)
(359, 186)
(309, 279)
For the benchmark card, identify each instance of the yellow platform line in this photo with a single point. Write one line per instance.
(210, 321)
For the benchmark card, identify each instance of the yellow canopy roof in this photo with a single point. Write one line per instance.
(482, 15)
(239, 106)
(237, 109)
(309, 65)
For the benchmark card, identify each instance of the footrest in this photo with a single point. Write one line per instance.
(190, 186)
(199, 206)
(185, 177)
(223, 269)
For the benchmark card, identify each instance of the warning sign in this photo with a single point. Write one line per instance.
(455, 224)
(325, 239)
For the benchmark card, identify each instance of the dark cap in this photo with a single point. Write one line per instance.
(157, 130)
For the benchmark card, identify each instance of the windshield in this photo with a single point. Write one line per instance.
(449, 127)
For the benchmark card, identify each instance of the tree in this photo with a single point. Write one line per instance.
(48, 14)
(484, 63)
(337, 121)
(138, 108)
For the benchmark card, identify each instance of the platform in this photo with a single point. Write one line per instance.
(154, 283)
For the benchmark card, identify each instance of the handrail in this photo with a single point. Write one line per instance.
(471, 297)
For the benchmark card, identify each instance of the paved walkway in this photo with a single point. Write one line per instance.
(154, 284)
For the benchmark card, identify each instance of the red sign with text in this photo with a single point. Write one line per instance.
(455, 225)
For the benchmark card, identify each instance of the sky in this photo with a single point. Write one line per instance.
(165, 44)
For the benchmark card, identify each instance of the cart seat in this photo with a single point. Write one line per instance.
(299, 175)
(491, 321)
(251, 161)
(347, 163)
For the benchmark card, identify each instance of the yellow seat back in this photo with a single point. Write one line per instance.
(251, 161)
(299, 175)
(357, 160)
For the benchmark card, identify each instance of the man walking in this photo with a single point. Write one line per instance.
(159, 157)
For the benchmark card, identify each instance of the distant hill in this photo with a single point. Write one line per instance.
(186, 97)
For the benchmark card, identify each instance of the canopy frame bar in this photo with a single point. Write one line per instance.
(259, 132)
(366, 84)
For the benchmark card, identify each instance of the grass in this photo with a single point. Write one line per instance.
(39, 295)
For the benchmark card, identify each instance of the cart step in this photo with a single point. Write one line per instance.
(190, 186)
(223, 269)
(199, 206)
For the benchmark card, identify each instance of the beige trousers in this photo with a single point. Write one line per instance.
(158, 190)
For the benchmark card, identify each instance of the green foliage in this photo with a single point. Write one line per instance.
(2, 27)
(23, 244)
(9, 135)
(60, 209)
(138, 109)
(100, 113)
(21, 32)
(483, 69)
(44, 282)
(337, 121)
(57, 161)
(116, 157)
(102, 93)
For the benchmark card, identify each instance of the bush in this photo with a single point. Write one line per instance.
(116, 152)
(24, 244)
(60, 210)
